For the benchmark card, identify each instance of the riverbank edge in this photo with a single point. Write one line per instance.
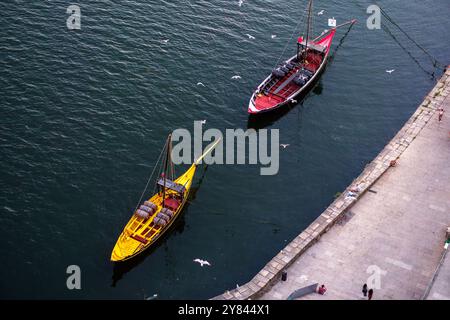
(392, 152)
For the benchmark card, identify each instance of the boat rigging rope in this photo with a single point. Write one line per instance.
(290, 38)
(151, 176)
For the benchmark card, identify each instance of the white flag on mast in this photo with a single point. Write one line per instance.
(332, 22)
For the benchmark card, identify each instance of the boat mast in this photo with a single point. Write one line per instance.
(172, 168)
(308, 28)
(166, 161)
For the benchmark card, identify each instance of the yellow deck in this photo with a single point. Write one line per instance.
(126, 246)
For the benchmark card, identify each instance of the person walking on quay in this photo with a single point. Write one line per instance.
(364, 290)
(322, 289)
(441, 113)
(370, 294)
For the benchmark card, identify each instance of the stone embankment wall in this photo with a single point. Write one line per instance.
(372, 172)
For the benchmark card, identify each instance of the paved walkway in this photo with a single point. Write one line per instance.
(440, 290)
(393, 237)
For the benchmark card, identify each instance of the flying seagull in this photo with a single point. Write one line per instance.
(293, 101)
(200, 84)
(390, 71)
(324, 31)
(241, 2)
(165, 41)
(235, 77)
(250, 36)
(202, 262)
(203, 121)
(274, 36)
(320, 12)
(284, 145)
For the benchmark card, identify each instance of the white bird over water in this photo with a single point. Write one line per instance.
(200, 84)
(236, 77)
(165, 41)
(390, 71)
(241, 2)
(203, 121)
(274, 36)
(285, 145)
(202, 262)
(320, 12)
(250, 36)
(293, 101)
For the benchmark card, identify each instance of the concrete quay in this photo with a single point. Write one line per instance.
(387, 229)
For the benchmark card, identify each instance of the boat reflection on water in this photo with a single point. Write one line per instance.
(264, 120)
(195, 187)
(123, 267)
(318, 88)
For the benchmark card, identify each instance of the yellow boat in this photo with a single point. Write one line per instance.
(154, 216)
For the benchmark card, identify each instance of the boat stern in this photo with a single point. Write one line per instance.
(252, 107)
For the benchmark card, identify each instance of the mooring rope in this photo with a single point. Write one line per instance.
(341, 42)
(434, 61)
(389, 32)
(385, 28)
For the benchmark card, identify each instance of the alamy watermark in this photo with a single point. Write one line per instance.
(74, 279)
(235, 147)
(374, 20)
(74, 20)
(374, 280)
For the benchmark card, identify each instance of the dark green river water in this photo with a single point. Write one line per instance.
(85, 113)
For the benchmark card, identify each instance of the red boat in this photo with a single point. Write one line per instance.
(296, 75)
